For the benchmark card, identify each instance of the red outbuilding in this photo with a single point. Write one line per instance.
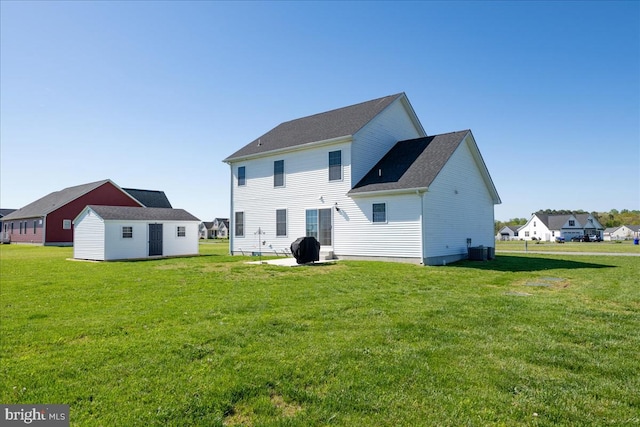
(48, 220)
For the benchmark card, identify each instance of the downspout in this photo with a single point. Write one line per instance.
(232, 219)
(422, 239)
(44, 230)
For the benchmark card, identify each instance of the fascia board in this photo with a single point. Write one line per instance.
(398, 191)
(314, 144)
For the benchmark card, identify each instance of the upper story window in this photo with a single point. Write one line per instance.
(278, 173)
(572, 223)
(379, 212)
(242, 177)
(335, 165)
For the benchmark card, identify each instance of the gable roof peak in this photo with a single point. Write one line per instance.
(338, 123)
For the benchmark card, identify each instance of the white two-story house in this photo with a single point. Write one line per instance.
(367, 182)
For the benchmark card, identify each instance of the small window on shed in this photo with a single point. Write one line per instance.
(66, 224)
(127, 232)
(182, 231)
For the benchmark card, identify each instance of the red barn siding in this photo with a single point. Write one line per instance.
(106, 194)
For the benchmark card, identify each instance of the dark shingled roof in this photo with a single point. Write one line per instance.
(149, 198)
(413, 163)
(5, 212)
(53, 201)
(142, 214)
(344, 121)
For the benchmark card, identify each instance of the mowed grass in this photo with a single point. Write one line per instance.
(211, 341)
(613, 247)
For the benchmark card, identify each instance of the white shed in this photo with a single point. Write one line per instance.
(107, 233)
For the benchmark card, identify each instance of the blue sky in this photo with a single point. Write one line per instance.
(154, 95)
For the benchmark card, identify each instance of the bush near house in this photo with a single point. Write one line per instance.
(211, 341)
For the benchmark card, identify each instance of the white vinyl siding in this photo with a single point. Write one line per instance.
(306, 187)
(88, 237)
(359, 236)
(457, 207)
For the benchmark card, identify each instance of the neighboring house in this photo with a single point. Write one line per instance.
(205, 230)
(150, 198)
(49, 220)
(220, 228)
(623, 232)
(367, 182)
(107, 233)
(3, 213)
(508, 232)
(548, 227)
(216, 229)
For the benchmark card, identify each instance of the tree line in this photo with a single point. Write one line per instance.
(613, 218)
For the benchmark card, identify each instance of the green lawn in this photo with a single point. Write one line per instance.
(624, 246)
(529, 340)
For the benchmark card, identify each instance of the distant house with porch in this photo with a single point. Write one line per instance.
(547, 227)
(216, 229)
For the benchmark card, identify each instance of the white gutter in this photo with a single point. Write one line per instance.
(232, 219)
(416, 190)
(422, 239)
(332, 141)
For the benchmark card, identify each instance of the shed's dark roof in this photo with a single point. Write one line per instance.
(149, 198)
(413, 163)
(53, 201)
(142, 214)
(344, 121)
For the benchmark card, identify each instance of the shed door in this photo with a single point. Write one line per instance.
(155, 239)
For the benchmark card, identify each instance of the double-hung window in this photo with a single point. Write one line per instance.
(242, 177)
(335, 165)
(281, 222)
(379, 212)
(239, 224)
(278, 173)
(181, 231)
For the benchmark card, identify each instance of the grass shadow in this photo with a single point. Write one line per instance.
(522, 263)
